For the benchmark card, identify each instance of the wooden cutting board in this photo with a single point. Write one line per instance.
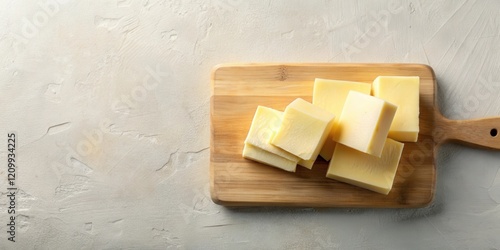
(239, 88)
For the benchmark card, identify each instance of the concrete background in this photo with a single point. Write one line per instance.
(110, 102)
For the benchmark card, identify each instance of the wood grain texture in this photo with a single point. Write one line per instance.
(478, 132)
(237, 91)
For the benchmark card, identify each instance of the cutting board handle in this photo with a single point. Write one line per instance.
(483, 132)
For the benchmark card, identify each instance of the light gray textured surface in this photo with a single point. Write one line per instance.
(110, 102)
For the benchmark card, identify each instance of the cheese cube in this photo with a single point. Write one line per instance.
(265, 123)
(331, 95)
(364, 170)
(304, 129)
(262, 156)
(364, 123)
(402, 91)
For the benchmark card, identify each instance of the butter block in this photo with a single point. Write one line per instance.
(266, 121)
(303, 130)
(402, 91)
(367, 171)
(331, 95)
(364, 123)
(256, 154)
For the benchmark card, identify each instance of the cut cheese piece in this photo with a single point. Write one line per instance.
(364, 170)
(262, 156)
(303, 130)
(304, 163)
(307, 163)
(402, 91)
(265, 123)
(331, 95)
(364, 123)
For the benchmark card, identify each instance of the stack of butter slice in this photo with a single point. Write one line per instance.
(356, 126)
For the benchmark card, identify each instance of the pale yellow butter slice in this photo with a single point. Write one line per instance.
(331, 95)
(303, 130)
(253, 153)
(367, 171)
(402, 91)
(364, 123)
(265, 123)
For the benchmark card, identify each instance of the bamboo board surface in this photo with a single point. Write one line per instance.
(237, 91)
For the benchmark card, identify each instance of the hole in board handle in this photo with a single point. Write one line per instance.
(493, 132)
